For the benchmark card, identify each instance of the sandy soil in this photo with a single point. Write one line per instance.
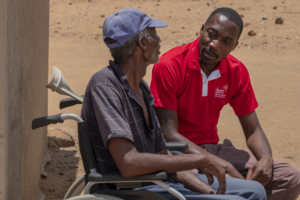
(269, 50)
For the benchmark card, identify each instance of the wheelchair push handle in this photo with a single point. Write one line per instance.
(53, 119)
(67, 102)
(46, 120)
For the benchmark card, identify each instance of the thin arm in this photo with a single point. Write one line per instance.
(255, 136)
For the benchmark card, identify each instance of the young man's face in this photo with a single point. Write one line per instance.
(218, 37)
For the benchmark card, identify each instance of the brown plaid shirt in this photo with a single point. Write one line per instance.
(112, 109)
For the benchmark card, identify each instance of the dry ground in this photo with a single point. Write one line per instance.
(269, 50)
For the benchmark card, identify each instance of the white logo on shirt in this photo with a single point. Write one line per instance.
(220, 93)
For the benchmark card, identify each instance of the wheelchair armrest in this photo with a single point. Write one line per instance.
(94, 176)
(176, 146)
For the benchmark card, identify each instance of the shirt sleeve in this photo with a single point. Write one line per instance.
(164, 86)
(110, 115)
(243, 100)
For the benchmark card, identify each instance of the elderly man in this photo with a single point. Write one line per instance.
(119, 106)
(192, 83)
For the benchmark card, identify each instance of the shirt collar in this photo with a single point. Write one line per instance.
(118, 72)
(123, 79)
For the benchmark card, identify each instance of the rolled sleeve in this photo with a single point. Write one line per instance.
(110, 114)
(243, 101)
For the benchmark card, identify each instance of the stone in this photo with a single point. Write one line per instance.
(251, 33)
(279, 20)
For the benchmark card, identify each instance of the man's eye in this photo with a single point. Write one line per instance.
(211, 34)
(227, 42)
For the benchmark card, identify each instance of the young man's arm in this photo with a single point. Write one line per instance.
(133, 163)
(259, 145)
(169, 123)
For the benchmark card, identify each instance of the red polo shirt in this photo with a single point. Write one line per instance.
(179, 84)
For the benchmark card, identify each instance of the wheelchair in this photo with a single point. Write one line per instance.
(84, 187)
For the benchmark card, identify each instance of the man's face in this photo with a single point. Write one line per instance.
(218, 37)
(153, 50)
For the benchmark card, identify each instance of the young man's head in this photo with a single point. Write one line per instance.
(129, 29)
(219, 35)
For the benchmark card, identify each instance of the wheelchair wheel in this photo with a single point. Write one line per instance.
(76, 188)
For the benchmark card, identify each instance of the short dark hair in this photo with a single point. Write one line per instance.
(231, 14)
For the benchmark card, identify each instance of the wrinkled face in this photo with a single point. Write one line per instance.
(218, 37)
(152, 51)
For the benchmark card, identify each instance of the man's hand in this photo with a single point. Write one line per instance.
(219, 168)
(262, 171)
(189, 180)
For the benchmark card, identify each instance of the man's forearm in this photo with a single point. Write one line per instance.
(259, 145)
(169, 124)
(144, 163)
(255, 136)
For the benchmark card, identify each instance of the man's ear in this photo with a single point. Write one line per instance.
(142, 43)
(236, 44)
(202, 28)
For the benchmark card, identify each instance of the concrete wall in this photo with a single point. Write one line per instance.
(23, 76)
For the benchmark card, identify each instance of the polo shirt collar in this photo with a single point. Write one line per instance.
(118, 72)
(193, 59)
(125, 84)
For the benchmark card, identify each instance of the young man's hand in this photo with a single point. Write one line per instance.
(262, 171)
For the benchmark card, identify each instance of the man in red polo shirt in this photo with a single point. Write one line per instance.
(192, 83)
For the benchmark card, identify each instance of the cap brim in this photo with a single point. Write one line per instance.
(157, 23)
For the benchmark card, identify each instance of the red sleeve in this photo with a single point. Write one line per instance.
(243, 100)
(164, 85)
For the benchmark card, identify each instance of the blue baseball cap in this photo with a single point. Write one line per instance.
(125, 24)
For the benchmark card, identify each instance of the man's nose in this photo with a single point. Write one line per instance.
(214, 44)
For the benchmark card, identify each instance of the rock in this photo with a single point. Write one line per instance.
(70, 3)
(102, 16)
(274, 7)
(251, 33)
(279, 20)
(264, 18)
(207, 4)
(64, 142)
(189, 9)
(60, 138)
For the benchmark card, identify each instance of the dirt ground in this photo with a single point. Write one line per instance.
(269, 47)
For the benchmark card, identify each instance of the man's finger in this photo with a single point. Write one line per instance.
(222, 184)
(210, 178)
(250, 173)
(255, 173)
(234, 173)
